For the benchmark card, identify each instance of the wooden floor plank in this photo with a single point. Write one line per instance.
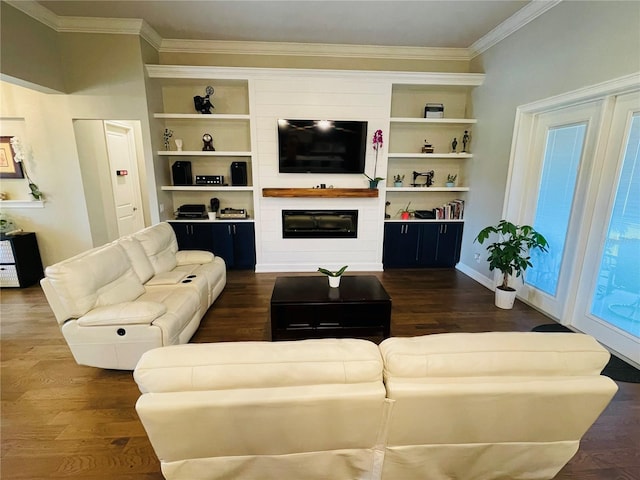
(63, 420)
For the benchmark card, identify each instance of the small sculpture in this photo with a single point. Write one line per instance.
(178, 144)
(203, 104)
(454, 145)
(465, 141)
(167, 135)
(208, 143)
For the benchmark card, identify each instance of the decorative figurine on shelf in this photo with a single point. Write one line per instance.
(203, 104)
(427, 147)
(465, 141)
(178, 144)
(454, 145)
(429, 178)
(208, 143)
(167, 135)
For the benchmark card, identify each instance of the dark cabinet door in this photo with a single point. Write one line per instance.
(244, 245)
(194, 235)
(449, 244)
(401, 242)
(235, 243)
(223, 242)
(440, 244)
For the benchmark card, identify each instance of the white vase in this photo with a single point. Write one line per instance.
(505, 298)
(334, 282)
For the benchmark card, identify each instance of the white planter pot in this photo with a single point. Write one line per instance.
(505, 298)
(334, 282)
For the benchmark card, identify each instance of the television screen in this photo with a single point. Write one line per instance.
(322, 146)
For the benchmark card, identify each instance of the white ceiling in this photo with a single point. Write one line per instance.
(417, 23)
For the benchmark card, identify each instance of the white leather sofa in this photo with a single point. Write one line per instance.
(115, 302)
(473, 406)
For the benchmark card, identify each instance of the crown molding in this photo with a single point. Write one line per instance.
(526, 14)
(131, 26)
(36, 11)
(312, 49)
(246, 73)
(114, 26)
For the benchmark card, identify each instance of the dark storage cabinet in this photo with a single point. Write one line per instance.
(20, 262)
(233, 241)
(422, 244)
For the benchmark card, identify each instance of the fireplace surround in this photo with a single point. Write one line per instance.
(319, 223)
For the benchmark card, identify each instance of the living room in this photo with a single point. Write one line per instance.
(53, 77)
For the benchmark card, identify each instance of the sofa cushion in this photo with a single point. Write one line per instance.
(127, 313)
(160, 245)
(491, 354)
(261, 365)
(99, 277)
(138, 257)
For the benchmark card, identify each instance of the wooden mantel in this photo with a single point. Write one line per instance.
(321, 192)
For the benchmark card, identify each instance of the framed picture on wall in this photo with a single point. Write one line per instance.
(9, 168)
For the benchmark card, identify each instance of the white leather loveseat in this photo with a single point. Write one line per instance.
(475, 406)
(140, 292)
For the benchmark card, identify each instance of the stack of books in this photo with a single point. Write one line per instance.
(453, 210)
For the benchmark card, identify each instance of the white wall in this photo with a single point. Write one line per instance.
(315, 97)
(62, 226)
(573, 45)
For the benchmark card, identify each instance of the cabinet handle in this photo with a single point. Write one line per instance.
(229, 229)
(234, 229)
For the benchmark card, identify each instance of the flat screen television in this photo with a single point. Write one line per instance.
(322, 146)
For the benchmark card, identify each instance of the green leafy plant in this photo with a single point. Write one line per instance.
(398, 178)
(511, 254)
(406, 209)
(329, 273)
(451, 178)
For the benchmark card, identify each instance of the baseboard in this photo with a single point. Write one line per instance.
(477, 276)
(302, 267)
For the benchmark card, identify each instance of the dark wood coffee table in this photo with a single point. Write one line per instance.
(306, 307)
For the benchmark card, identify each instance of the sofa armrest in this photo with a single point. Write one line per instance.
(126, 313)
(193, 257)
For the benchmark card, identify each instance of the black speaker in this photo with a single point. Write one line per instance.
(181, 172)
(239, 173)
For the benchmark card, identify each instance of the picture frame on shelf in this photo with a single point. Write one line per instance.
(9, 168)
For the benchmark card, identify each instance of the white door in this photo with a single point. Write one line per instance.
(121, 150)
(607, 305)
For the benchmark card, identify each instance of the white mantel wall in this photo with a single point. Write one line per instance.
(339, 97)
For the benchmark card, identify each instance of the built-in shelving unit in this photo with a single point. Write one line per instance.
(229, 124)
(410, 131)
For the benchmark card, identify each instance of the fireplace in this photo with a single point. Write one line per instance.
(319, 223)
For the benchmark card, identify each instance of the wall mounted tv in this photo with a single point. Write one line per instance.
(322, 146)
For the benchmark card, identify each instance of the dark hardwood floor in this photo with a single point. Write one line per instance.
(62, 420)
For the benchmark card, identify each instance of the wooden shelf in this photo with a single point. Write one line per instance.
(321, 192)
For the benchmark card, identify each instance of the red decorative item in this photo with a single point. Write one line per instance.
(405, 215)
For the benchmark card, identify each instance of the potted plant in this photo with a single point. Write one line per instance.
(334, 277)
(405, 213)
(377, 145)
(510, 254)
(397, 180)
(451, 180)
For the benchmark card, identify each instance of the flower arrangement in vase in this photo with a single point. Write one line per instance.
(377, 145)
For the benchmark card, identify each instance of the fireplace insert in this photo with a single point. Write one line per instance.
(319, 224)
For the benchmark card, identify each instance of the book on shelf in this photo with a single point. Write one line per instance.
(453, 210)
